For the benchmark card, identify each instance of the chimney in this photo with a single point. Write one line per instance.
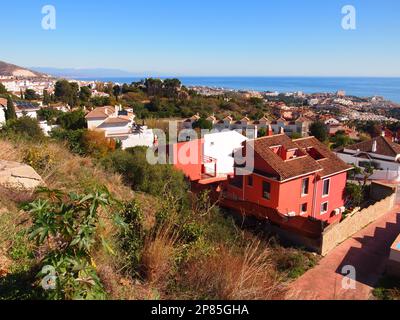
(374, 146)
(270, 132)
(117, 109)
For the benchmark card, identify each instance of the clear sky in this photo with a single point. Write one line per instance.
(206, 37)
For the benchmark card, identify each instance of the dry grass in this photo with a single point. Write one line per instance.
(62, 170)
(8, 151)
(235, 276)
(157, 263)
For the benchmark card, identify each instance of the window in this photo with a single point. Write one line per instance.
(237, 182)
(250, 181)
(324, 208)
(303, 208)
(304, 187)
(266, 190)
(326, 188)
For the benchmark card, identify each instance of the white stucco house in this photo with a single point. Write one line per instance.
(381, 152)
(120, 125)
(23, 108)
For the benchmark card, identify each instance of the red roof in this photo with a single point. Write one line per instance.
(311, 156)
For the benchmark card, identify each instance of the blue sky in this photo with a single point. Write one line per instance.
(206, 37)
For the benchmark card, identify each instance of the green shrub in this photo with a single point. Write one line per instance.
(131, 235)
(24, 127)
(69, 222)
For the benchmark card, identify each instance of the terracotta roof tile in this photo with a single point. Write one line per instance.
(101, 112)
(330, 163)
(285, 169)
(384, 146)
(313, 156)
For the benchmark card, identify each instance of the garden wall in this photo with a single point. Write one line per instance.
(385, 197)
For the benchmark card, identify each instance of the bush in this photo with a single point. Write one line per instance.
(294, 262)
(319, 130)
(74, 120)
(25, 127)
(131, 235)
(142, 176)
(67, 224)
(94, 143)
(39, 158)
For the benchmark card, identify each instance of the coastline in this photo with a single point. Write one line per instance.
(386, 87)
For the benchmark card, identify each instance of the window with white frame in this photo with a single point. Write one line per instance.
(304, 186)
(326, 187)
(324, 208)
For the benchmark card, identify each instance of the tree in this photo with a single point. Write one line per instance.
(202, 123)
(3, 89)
(116, 91)
(46, 98)
(10, 111)
(67, 92)
(262, 132)
(341, 140)
(84, 94)
(31, 95)
(72, 120)
(49, 114)
(355, 193)
(153, 86)
(319, 130)
(171, 87)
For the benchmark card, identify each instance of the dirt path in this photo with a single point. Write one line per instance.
(367, 251)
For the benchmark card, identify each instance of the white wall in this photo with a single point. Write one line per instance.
(389, 170)
(145, 139)
(46, 127)
(31, 114)
(2, 116)
(220, 146)
(94, 123)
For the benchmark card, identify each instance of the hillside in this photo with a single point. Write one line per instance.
(137, 245)
(7, 69)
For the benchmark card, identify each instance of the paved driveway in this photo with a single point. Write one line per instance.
(368, 251)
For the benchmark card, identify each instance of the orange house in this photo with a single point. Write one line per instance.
(299, 178)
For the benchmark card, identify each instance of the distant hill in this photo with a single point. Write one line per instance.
(8, 69)
(84, 73)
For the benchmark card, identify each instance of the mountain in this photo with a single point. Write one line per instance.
(84, 73)
(8, 69)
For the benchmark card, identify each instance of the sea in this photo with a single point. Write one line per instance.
(389, 88)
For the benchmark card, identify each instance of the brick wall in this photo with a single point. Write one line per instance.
(337, 233)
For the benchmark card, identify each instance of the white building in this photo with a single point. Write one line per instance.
(332, 122)
(381, 152)
(120, 125)
(221, 147)
(2, 116)
(23, 108)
